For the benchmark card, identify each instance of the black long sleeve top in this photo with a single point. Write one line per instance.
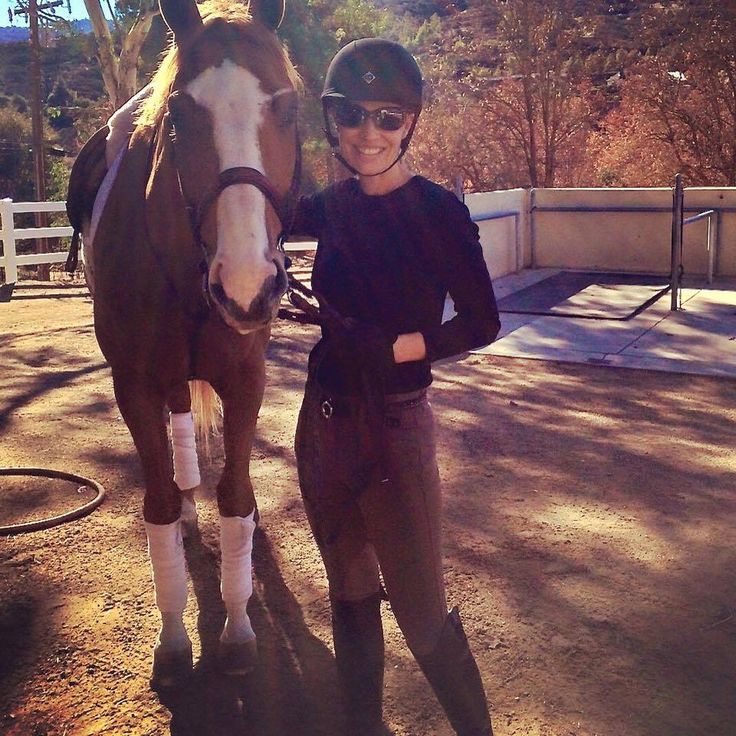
(390, 260)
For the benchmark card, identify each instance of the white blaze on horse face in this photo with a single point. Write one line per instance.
(234, 99)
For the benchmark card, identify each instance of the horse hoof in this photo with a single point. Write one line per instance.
(171, 667)
(238, 658)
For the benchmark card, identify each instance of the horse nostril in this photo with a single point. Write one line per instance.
(218, 293)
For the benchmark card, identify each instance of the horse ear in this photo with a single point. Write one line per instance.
(182, 17)
(268, 12)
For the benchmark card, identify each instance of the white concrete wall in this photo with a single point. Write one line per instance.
(505, 239)
(634, 242)
(704, 198)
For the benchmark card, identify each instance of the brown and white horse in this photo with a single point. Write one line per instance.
(187, 278)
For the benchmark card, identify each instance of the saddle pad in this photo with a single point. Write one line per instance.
(103, 193)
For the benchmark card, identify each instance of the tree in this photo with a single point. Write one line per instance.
(453, 138)
(119, 50)
(679, 103)
(543, 101)
(358, 19)
(513, 108)
(16, 161)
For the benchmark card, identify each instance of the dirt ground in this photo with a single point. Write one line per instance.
(590, 537)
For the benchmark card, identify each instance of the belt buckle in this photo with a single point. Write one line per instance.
(327, 408)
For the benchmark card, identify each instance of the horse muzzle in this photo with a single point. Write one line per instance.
(260, 310)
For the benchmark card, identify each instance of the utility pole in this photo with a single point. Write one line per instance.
(33, 10)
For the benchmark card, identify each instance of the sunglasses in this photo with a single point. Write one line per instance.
(384, 118)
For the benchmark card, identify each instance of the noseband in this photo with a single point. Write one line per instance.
(285, 207)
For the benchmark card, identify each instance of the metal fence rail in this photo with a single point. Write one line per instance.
(524, 230)
(491, 216)
(678, 226)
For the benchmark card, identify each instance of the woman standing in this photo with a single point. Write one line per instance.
(392, 245)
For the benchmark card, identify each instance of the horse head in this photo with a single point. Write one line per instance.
(231, 117)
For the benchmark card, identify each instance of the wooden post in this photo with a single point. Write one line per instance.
(37, 132)
(8, 237)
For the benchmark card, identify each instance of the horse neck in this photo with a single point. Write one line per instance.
(168, 225)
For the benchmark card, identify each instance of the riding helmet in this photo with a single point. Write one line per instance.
(376, 70)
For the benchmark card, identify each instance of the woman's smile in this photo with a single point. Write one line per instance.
(365, 151)
(367, 145)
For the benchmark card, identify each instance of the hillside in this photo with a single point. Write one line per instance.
(606, 27)
(19, 33)
(13, 34)
(580, 54)
(70, 58)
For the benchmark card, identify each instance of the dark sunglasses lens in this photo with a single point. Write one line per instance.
(389, 119)
(349, 116)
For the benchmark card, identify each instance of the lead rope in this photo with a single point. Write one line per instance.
(297, 294)
(321, 314)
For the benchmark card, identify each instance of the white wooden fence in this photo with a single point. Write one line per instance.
(10, 235)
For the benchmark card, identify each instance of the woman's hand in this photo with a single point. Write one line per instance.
(409, 346)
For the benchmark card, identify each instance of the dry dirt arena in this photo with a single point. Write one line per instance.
(590, 538)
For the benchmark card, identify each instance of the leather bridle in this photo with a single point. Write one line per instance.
(284, 207)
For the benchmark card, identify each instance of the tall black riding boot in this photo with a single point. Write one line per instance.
(454, 677)
(358, 637)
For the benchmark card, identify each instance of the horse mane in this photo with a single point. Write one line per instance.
(153, 108)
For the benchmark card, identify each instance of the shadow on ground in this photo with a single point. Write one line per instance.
(285, 694)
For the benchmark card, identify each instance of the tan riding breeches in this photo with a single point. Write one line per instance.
(372, 519)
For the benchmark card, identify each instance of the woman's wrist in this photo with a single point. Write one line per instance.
(409, 347)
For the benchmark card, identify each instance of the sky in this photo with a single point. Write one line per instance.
(77, 11)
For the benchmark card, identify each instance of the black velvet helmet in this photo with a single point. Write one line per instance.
(376, 70)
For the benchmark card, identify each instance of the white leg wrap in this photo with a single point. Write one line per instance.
(236, 548)
(166, 551)
(186, 464)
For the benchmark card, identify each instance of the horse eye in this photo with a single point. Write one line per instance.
(179, 103)
(285, 108)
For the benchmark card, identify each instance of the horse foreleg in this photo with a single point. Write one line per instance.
(238, 652)
(142, 410)
(172, 653)
(184, 449)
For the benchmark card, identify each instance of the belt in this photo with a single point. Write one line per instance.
(346, 405)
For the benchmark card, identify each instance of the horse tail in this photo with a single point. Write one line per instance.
(207, 410)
